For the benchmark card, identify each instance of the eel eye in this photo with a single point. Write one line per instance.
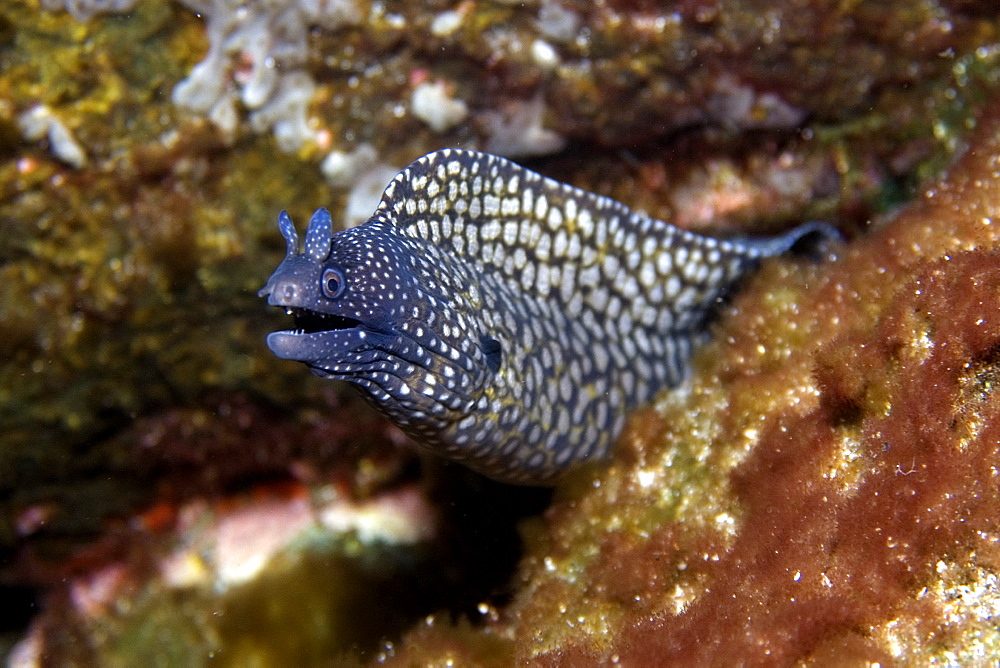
(333, 283)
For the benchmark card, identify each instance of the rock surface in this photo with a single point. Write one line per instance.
(824, 487)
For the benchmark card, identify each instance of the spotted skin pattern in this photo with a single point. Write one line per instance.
(500, 318)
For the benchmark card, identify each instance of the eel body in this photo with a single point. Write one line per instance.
(500, 318)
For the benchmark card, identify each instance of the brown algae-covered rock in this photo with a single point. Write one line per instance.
(827, 489)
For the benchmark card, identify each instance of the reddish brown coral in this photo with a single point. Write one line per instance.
(815, 561)
(852, 501)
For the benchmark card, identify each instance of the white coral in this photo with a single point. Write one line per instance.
(256, 50)
(84, 10)
(255, 55)
(434, 105)
(517, 131)
(40, 122)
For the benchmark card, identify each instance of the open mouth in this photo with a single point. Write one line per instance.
(311, 322)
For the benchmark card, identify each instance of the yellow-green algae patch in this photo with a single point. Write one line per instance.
(127, 281)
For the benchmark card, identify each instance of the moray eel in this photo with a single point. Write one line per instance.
(500, 318)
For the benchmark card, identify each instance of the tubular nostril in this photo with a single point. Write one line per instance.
(282, 294)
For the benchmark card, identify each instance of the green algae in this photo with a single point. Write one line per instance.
(121, 276)
(314, 603)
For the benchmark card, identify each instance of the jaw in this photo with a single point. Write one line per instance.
(323, 338)
(312, 347)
